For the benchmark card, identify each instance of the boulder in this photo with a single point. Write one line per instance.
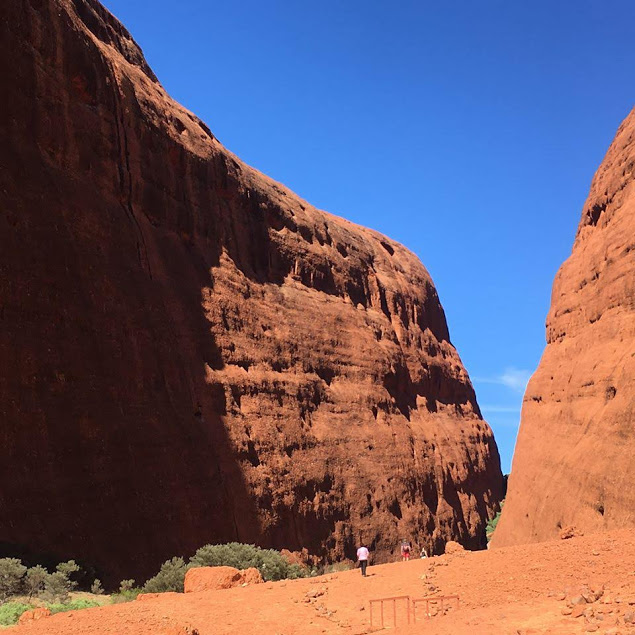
(453, 547)
(215, 578)
(31, 616)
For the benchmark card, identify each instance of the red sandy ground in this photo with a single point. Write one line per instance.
(511, 590)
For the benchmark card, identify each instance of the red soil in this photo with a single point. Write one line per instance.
(510, 590)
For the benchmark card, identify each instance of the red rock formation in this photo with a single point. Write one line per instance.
(191, 353)
(575, 456)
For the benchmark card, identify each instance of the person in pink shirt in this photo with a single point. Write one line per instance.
(362, 556)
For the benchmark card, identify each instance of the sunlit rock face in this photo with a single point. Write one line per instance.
(190, 352)
(575, 457)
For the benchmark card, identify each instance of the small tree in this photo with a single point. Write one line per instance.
(11, 573)
(96, 588)
(126, 585)
(68, 569)
(58, 586)
(35, 580)
(171, 577)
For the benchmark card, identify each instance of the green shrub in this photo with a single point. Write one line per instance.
(127, 592)
(345, 565)
(170, 578)
(11, 611)
(128, 595)
(271, 564)
(491, 525)
(72, 605)
(11, 573)
(35, 580)
(68, 569)
(126, 585)
(58, 586)
(96, 588)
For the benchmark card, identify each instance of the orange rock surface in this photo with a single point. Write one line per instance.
(34, 615)
(574, 463)
(525, 590)
(214, 578)
(190, 353)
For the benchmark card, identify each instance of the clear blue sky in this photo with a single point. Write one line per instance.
(468, 131)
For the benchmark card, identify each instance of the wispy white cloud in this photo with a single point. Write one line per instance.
(513, 378)
(501, 409)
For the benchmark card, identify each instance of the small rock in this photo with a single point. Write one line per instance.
(588, 595)
(629, 617)
(561, 596)
(315, 593)
(577, 611)
(567, 611)
(577, 600)
(591, 628)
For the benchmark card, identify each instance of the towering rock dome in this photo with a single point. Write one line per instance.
(575, 457)
(189, 352)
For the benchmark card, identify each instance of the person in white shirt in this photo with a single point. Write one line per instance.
(362, 556)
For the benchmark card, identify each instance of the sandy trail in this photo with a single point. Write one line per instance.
(507, 590)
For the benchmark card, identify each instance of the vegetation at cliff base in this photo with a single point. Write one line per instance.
(491, 525)
(24, 588)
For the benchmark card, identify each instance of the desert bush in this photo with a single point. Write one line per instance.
(57, 587)
(35, 580)
(125, 596)
(10, 612)
(126, 585)
(491, 525)
(127, 592)
(336, 567)
(96, 588)
(170, 578)
(271, 564)
(72, 605)
(11, 577)
(69, 569)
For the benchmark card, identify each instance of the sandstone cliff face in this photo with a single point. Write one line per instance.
(575, 456)
(189, 352)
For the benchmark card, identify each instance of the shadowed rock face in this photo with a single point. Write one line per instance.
(191, 353)
(575, 456)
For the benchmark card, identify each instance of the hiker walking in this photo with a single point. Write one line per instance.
(405, 551)
(362, 556)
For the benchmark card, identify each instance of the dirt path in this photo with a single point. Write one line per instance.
(510, 590)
